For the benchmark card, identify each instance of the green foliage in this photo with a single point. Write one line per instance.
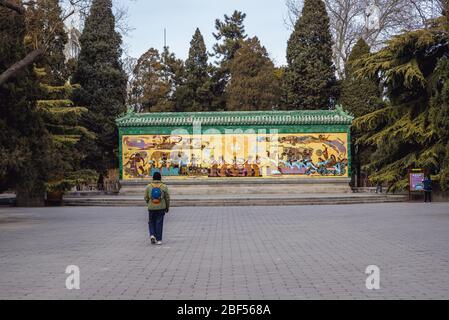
(174, 73)
(149, 87)
(57, 109)
(359, 96)
(439, 119)
(412, 130)
(62, 120)
(309, 81)
(195, 94)
(230, 32)
(45, 29)
(56, 91)
(253, 85)
(103, 84)
(230, 35)
(156, 76)
(73, 179)
(48, 104)
(26, 155)
(66, 141)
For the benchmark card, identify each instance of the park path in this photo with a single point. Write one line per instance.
(303, 252)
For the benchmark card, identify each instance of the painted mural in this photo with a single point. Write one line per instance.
(236, 155)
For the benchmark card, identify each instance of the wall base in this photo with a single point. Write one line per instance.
(239, 186)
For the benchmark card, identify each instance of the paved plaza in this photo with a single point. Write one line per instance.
(303, 252)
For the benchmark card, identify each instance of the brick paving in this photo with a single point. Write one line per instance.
(304, 252)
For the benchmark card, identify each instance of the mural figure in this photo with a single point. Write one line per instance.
(309, 155)
(136, 165)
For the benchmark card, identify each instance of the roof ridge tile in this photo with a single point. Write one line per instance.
(337, 116)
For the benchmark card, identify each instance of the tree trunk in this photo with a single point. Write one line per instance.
(18, 66)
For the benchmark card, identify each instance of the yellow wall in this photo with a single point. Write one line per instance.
(235, 155)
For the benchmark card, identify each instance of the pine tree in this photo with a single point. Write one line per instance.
(253, 85)
(60, 115)
(439, 117)
(45, 28)
(173, 72)
(309, 81)
(359, 96)
(149, 88)
(103, 83)
(230, 34)
(63, 121)
(25, 147)
(196, 92)
(156, 78)
(411, 130)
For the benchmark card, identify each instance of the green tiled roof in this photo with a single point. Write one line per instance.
(299, 117)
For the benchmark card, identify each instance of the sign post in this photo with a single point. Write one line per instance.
(416, 177)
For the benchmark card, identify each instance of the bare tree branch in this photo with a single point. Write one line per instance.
(71, 8)
(12, 6)
(348, 17)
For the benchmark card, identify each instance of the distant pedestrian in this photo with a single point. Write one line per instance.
(379, 187)
(100, 182)
(158, 199)
(427, 183)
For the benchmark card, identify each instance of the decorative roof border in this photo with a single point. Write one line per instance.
(297, 117)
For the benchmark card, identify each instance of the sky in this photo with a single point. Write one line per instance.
(148, 18)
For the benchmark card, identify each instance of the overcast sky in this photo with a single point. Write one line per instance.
(265, 18)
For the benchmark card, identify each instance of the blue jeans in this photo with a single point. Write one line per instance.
(156, 223)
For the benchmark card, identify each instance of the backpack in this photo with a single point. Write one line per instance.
(427, 185)
(156, 194)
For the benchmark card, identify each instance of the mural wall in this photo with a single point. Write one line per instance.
(236, 155)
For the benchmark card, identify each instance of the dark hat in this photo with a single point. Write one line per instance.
(157, 176)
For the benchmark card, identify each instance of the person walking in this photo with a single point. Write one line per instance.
(158, 199)
(427, 182)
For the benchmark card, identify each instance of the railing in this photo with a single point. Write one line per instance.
(106, 187)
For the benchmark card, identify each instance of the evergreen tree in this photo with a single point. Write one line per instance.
(103, 83)
(45, 28)
(149, 89)
(439, 117)
(359, 96)
(62, 120)
(411, 130)
(310, 81)
(156, 78)
(230, 34)
(196, 92)
(253, 85)
(25, 147)
(173, 72)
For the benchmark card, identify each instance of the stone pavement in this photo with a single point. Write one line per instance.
(304, 252)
